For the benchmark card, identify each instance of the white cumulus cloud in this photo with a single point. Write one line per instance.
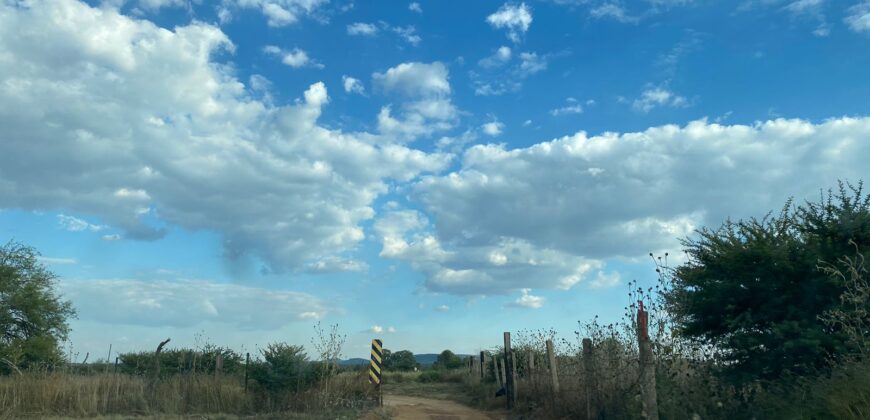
(515, 18)
(527, 300)
(295, 58)
(492, 128)
(352, 85)
(427, 107)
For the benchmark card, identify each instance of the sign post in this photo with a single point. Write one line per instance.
(376, 367)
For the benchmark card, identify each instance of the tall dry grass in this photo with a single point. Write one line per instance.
(46, 394)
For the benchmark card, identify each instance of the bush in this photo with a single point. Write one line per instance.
(283, 367)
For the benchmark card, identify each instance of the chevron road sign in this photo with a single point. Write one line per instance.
(377, 362)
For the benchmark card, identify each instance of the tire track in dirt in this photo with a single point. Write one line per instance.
(413, 408)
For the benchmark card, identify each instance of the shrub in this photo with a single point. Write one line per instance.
(283, 367)
(176, 361)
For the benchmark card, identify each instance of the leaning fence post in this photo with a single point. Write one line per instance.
(647, 366)
(551, 359)
(589, 368)
(157, 358)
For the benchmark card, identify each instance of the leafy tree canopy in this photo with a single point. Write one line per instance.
(33, 317)
(447, 360)
(400, 360)
(753, 289)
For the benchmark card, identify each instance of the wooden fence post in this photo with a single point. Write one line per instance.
(109, 358)
(218, 365)
(247, 362)
(509, 370)
(482, 365)
(514, 382)
(502, 379)
(530, 369)
(647, 366)
(495, 369)
(591, 387)
(551, 359)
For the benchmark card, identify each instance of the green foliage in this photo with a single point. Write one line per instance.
(402, 360)
(33, 317)
(752, 289)
(447, 360)
(852, 316)
(175, 361)
(284, 367)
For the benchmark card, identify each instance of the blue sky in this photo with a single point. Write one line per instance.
(430, 173)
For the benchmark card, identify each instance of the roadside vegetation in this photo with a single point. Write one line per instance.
(39, 380)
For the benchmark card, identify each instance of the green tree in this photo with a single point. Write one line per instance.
(284, 366)
(33, 317)
(387, 357)
(754, 291)
(401, 360)
(447, 360)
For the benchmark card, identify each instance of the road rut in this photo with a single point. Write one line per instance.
(413, 408)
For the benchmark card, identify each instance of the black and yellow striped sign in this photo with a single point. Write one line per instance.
(377, 362)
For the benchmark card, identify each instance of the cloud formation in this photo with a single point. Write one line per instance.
(549, 215)
(179, 140)
(499, 73)
(278, 13)
(858, 18)
(361, 28)
(658, 97)
(527, 300)
(189, 303)
(515, 18)
(295, 58)
(425, 92)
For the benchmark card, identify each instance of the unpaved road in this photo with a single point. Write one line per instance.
(413, 408)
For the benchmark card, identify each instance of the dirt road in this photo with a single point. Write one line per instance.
(413, 408)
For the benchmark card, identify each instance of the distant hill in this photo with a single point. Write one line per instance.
(426, 359)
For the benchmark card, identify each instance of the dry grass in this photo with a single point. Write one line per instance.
(46, 395)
